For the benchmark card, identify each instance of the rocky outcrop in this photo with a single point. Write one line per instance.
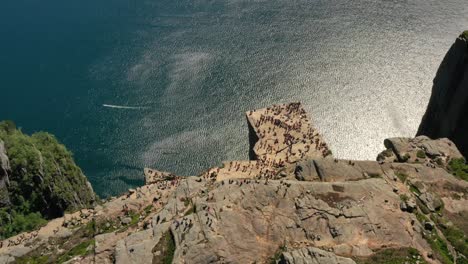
(153, 176)
(285, 134)
(279, 136)
(336, 170)
(4, 171)
(292, 204)
(420, 149)
(448, 107)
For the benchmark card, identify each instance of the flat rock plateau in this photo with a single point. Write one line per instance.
(292, 202)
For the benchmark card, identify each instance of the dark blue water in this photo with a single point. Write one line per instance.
(177, 75)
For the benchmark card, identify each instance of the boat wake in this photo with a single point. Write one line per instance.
(125, 107)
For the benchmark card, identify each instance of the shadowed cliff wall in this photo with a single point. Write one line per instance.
(447, 112)
(253, 138)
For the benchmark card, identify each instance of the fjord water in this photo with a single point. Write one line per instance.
(165, 83)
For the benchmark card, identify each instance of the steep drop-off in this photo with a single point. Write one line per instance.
(291, 202)
(447, 112)
(38, 180)
(294, 203)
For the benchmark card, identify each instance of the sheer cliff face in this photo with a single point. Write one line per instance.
(448, 107)
(39, 173)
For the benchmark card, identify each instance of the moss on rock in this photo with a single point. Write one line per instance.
(393, 256)
(465, 34)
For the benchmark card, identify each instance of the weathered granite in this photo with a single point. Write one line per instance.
(329, 170)
(322, 210)
(280, 135)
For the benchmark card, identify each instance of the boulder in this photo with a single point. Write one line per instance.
(431, 201)
(126, 220)
(428, 225)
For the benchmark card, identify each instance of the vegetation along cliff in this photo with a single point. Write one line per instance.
(38, 180)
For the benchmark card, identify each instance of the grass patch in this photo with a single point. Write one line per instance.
(421, 154)
(387, 153)
(414, 189)
(277, 256)
(404, 197)
(90, 227)
(458, 168)
(147, 209)
(465, 34)
(81, 249)
(421, 217)
(135, 218)
(393, 256)
(187, 202)
(13, 222)
(438, 245)
(453, 234)
(166, 247)
(405, 157)
(402, 176)
(32, 260)
(94, 228)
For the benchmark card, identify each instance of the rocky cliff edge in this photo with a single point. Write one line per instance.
(292, 203)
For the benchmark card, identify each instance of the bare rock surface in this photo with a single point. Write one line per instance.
(292, 204)
(153, 176)
(311, 255)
